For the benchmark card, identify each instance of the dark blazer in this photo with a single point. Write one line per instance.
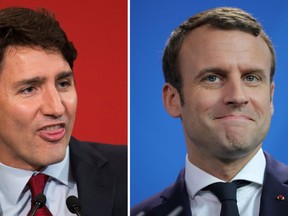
(275, 184)
(100, 172)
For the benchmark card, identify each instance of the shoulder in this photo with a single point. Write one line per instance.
(100, 172)
(147, 206)
(100, 152)
(167, 201)
(104, 148)
(276, 168)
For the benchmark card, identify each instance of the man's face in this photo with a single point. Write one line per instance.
(38, 105)
(227, 93)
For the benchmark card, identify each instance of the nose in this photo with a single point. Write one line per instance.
(235, 93)
(52, 104)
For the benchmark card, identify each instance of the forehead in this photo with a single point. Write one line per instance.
(204, 47)
(31, 61)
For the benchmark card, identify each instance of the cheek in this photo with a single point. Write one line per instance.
(198, 108)
(263, 104)
(200, 102)
(20, 114)
(17, 124)
(70, 102)
(206, 102)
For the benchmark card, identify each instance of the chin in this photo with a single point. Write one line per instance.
(53, 157)
(238, 151)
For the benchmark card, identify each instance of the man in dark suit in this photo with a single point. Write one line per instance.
(104, 192)
(218, 67)
(38, 103)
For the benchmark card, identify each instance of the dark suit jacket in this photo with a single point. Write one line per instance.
(275, 184)
(100, 172)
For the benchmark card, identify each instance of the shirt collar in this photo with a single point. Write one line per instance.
(197, 179)
(61, 171)
(14, 180)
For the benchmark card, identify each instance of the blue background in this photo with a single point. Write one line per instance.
(157, 143)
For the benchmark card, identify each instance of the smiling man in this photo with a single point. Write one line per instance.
(219, 67)
(38, 103)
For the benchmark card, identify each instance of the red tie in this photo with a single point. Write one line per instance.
(37, 185)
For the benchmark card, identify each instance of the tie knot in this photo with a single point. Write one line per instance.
(226, 193)
(37, 184)
(223, 191)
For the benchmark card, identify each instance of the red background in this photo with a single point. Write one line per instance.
(98, 30)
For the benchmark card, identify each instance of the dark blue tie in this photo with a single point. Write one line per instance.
(226, 193)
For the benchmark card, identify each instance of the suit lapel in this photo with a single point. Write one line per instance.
(95, 190)
(173, 197)
(274, 187)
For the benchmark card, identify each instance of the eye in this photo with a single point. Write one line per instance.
(64, 84)
(252, 78)
(28, 90)
(212, 78)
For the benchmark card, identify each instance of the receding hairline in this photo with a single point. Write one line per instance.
(209, 27)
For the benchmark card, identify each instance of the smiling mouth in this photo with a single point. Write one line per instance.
(235, 118)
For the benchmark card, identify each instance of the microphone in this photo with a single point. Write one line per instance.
(38, 203)
(73, 205)
(176, 211)
(142, 213)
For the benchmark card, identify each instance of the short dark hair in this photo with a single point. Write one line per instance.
(224, 18)
(35, 28)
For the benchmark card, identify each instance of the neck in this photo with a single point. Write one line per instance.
(220, 167)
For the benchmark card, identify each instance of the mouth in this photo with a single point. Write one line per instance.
(53, 132)
(233, 117)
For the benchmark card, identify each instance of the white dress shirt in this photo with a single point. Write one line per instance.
(248, 197)
(15, 196)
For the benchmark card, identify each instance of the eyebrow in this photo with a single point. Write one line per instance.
(218, 70)
(38, 80)
(65, 74)
(205, 71)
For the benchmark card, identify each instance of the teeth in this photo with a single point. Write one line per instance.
(53, 127)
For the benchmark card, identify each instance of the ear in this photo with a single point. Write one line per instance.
(271, 97)
(171, 100)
